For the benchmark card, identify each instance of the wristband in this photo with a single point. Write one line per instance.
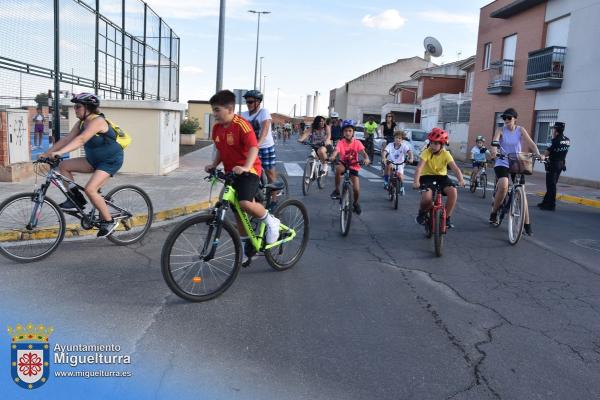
(496, 143)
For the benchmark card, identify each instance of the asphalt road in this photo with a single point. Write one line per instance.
(374, 315)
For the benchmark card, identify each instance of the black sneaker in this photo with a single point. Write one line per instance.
(335, 194)
(494, 218)
(547, 207)
(528, 230)
(107, 227)
(357, 208)
(449, 223)
(420, 218)
(67, 205)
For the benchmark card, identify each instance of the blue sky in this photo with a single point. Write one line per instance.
(311, 45)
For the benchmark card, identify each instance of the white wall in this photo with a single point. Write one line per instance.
(578, 100)
(369, 93)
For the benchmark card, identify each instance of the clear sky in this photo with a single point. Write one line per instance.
(311, 45)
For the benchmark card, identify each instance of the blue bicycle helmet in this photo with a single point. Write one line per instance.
(255, 94)
(349, 123)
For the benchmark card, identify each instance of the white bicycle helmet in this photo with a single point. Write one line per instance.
(334, 115)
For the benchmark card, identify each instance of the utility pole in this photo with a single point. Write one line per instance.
(264, 85)
(257, 37)
(221, 46)
(277, 108)
(260, 76)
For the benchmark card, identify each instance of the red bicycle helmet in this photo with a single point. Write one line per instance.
(438, 135)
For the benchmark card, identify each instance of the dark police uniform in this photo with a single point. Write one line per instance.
(556, 164)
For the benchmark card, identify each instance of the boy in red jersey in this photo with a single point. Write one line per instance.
(237, 148)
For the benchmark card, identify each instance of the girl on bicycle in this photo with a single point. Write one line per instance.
(396, 152)
(508, 139)
(319, 134)
(103, 157)
(348, 149)
(433, 167)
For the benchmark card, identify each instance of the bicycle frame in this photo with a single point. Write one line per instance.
(438, 204)
(57, 179)
(228, 200)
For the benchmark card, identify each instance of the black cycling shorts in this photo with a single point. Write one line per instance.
(443, 180)
(246, 186)
(502, 172)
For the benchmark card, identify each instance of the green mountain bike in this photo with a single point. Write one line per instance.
(202, 256)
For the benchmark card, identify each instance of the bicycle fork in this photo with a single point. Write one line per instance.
(38, 200)
(216, 225)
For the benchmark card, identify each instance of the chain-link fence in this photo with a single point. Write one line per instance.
(119, 49)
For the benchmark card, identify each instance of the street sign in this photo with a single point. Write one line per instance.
(239, 93)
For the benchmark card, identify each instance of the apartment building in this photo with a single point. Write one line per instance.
(539, 57)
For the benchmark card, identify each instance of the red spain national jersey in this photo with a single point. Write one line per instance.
(234, 143)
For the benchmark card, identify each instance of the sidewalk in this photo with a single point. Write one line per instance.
(536, 184)
(181, 192)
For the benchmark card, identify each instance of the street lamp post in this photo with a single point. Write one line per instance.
(221, 46)
(257, 36)
(277, 108)
(260, 75)
(264, 85)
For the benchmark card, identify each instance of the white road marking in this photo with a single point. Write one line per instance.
(293, 169)
(366, 174)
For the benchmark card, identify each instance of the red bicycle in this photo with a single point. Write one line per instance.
(435, 219)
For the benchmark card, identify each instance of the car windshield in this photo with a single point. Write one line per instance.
(359, 129)
(419, 136)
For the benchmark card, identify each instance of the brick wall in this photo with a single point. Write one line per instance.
(529, 26)
(435, 85)
(408, 96)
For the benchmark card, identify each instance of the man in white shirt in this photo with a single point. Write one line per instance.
(260, 119)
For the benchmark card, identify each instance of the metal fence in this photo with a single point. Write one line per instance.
(119, 49)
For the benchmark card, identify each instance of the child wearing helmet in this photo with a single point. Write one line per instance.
(348, 149)
(479, 155)
(433, 166)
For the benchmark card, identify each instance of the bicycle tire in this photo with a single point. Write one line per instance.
(142, 211)
(473, 184)
(427, 225)
(188, 246)
(396, 194)
(346, 206)
(516, 216)
(320, 179)
(293, 214)
(307, 176)
(438, 235)
(43, 241)
(285, 192)
(483, 184)
(390, 190)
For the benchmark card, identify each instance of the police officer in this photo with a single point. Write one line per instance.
(556, 153)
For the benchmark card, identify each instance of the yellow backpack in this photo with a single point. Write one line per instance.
(123, 138)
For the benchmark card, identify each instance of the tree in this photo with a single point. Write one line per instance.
(189, 126)
(42, 99)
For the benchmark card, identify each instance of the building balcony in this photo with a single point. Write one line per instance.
(545, 68)
(501, 77)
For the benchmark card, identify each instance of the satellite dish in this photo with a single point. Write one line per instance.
(433, 48)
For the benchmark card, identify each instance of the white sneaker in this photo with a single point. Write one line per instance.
(272, 233)
(325, 169)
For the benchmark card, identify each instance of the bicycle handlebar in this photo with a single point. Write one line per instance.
(53, 162)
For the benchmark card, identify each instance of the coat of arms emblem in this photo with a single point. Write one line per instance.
(30, 355)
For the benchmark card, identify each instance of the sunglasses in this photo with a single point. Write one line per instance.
(78, 106)
(250, 101)
(389, 116)
(507, 117)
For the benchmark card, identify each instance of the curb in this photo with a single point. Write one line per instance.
(75, 230)
(567, 198)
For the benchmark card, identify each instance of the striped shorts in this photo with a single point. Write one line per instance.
(267, 157)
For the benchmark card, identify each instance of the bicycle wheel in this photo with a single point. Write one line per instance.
(473, 183)
(320, 179)
(307, 176)
(438, 235)
(21, 244)
(427, 225)
(391, 190)
(184, 269)
(516, 216)
(346, 206)
(483, 185)
(396, 194)
(285, 192)
(136, 202)
(292, 213)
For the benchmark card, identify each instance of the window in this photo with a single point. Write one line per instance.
(509, 50)
(498, 122)
(470, 80)
(542, 133)
(487, 55)
(557, 32)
